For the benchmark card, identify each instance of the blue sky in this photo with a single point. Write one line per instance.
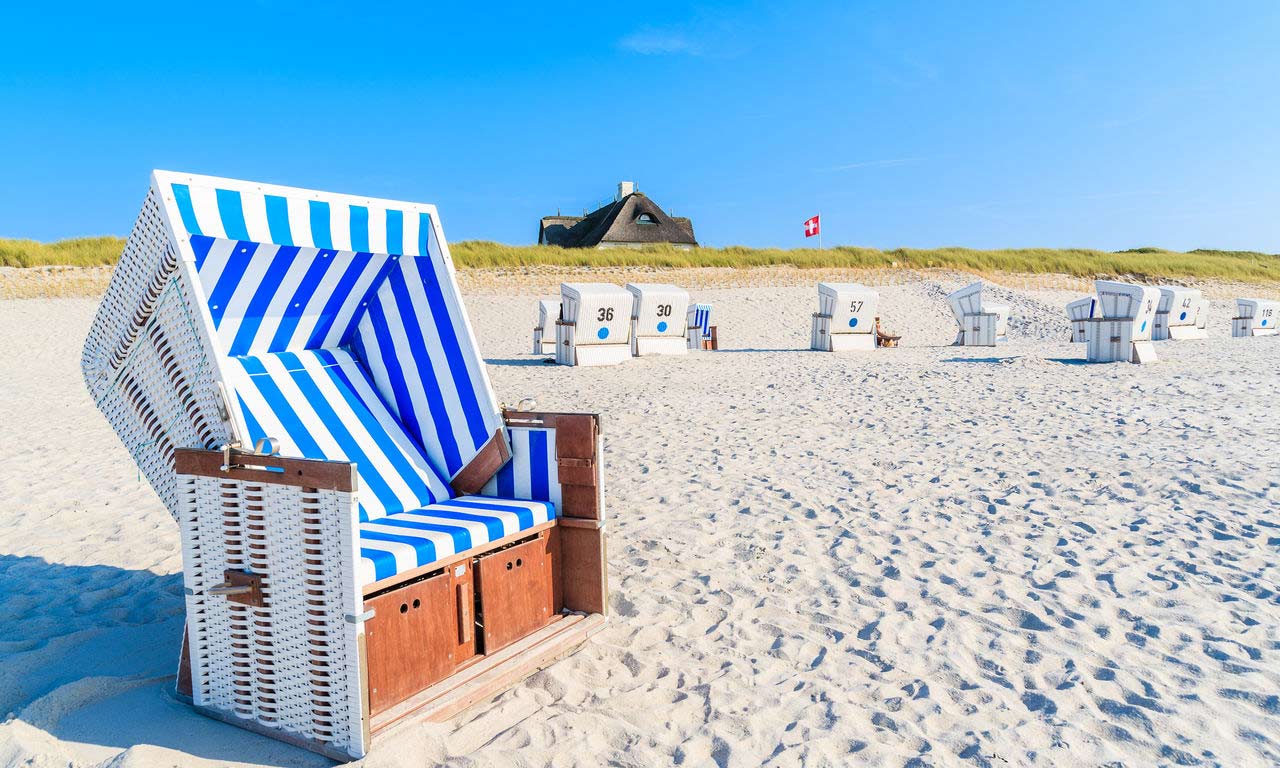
(1091, 124)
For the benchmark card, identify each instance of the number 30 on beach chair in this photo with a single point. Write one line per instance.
(366, 535)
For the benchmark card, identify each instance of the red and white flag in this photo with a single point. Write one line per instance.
(812, 226)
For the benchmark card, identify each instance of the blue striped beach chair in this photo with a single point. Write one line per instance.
(367, 535)
(701, 333)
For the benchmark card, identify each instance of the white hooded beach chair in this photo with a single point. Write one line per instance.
(1123, 332)
(981, 324)
(701, 334)
(1255, 317)
(595, 324)
(1079, 313)
(366, 534)
(658, 316)
(544, 334)
(1181, 314)
(846, 318)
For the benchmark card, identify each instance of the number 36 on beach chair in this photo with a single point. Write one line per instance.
(367, 535)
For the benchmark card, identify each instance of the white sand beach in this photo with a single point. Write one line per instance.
(923, 556)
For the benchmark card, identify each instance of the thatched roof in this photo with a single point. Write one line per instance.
(632, 219)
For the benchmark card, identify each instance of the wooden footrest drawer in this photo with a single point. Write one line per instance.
(517, 588)
(419, 634)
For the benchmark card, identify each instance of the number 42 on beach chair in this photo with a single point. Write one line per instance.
(367, 536)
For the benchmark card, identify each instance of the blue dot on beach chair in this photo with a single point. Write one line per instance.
(1182, 316)
(662, 327)
(603, 333)
(853, 322)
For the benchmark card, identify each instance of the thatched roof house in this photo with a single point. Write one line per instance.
(631, 220)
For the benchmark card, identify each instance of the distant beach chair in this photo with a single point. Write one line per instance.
(701, 334)
(846, 318)
(981, 324)
(595, 324)
(1255, 317)
(366, 535)
(658, 316)
(1181, 314)
(1079, 312)
(1123, 332)
(544, 339)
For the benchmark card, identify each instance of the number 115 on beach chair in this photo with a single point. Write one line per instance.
(367, 536)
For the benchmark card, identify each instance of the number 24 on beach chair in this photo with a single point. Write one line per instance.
(366, 535)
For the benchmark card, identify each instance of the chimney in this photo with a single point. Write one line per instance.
(625, 188)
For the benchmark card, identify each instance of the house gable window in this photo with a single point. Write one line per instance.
(646, 218)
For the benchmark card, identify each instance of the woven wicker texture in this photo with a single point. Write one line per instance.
(291, 665)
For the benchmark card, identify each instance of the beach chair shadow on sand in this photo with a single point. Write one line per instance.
(367, 536)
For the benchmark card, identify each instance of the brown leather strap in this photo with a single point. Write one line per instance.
(484, 465)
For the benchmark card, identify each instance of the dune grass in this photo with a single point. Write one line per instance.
(77, 252)
(1244, 266)
(1150, 263)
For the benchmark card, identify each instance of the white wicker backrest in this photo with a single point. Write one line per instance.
(659, 309)
(548, 314)
(966, 301)
(601, 312)
(851, 306)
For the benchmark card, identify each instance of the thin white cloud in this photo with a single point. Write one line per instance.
(872, 164)
(653, 42)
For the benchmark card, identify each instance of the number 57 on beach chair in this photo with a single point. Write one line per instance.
(366, 535)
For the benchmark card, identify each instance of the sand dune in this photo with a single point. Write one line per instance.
(922, 556)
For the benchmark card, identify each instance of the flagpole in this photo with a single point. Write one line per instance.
(820, 230)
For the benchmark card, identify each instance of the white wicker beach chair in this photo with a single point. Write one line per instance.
(366, 534)
(658, 316)
(1256, 317)
(1123, 332)
(544, 336)
(1079, 312)
(595, 324)
(1178, 315)
(980, 324)
(700, 333)
(846, 318)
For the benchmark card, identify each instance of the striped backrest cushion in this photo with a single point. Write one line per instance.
(271, 298)
(321, 404)
(415, 341)
(702, 318)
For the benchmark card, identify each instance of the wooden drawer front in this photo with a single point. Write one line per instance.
(418, 635)
(517, 590)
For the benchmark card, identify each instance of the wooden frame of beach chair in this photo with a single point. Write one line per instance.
(394, 544)
(659, 313)
(980, 324)
(845, 320)
(1256, 317)
(544, 337)
(595, 324)
(1123, 332)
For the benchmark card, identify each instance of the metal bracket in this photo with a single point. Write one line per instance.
(360, 618)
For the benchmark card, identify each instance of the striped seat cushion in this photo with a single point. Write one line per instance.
(321, 404)
(401, 542)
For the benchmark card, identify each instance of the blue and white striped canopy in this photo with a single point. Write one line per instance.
(356, 281)
(702, 318)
